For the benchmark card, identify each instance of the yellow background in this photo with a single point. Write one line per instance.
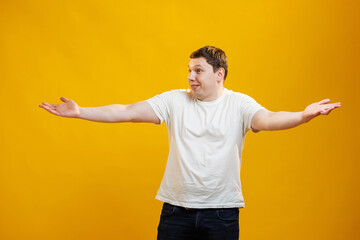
(70, 179)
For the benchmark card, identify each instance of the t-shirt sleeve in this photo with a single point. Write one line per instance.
(161, 104)
(248, 109)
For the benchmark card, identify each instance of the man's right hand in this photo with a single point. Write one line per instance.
(137, 112)
(68, 109)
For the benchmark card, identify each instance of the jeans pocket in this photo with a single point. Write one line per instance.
(228, 214)
(167, 210)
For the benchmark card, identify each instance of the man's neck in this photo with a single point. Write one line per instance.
(214, 96)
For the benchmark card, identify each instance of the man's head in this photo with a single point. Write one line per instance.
(207, 72)
(214, 56)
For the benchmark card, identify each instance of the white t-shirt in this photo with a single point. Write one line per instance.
(205, 145)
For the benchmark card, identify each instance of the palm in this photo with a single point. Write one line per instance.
(319, 108)
(68, 109)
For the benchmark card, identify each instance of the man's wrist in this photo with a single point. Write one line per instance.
(81, 113)
(305, 117)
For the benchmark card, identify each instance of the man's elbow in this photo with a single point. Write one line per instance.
(134, 117)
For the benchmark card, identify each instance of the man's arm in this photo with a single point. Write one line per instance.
(137, 112)
(267, 120)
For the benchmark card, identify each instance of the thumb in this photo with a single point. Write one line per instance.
(324, 101)
(64, 99)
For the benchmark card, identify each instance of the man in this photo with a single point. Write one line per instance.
(201, 188)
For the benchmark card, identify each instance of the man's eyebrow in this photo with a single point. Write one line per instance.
(197, 65)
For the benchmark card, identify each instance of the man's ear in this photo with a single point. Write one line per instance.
(220, 74)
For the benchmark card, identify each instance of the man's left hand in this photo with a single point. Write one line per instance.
(319, 108)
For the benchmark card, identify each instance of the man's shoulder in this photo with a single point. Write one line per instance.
(180, 93)
(173, 96)
(237, 95)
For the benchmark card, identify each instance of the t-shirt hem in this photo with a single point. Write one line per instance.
(200, 205)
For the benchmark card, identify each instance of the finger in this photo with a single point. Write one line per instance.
(45, 107)
(324, 101)
(328, 110)
(325, 111)
(333, 105)
(49, 109)
(64, 99)
(44, 103)
(49, 105)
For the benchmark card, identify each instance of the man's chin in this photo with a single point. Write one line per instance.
(197, 95)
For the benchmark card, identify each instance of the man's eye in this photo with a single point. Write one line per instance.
(198, 70)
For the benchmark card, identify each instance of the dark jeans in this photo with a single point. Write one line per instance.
(178, 223)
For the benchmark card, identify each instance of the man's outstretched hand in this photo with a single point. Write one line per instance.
(319, 108)
(68, 109)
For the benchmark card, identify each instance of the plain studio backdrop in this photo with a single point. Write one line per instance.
(70, 179)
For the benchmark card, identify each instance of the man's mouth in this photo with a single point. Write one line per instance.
(194, 86)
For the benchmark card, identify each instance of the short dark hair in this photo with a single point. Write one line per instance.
(214, 56)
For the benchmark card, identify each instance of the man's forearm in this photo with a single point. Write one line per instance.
(284, 120)
(107, 114)
(267, 120)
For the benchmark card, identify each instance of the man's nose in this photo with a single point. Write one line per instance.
(191, 76)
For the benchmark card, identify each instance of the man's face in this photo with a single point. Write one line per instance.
(202, 80)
